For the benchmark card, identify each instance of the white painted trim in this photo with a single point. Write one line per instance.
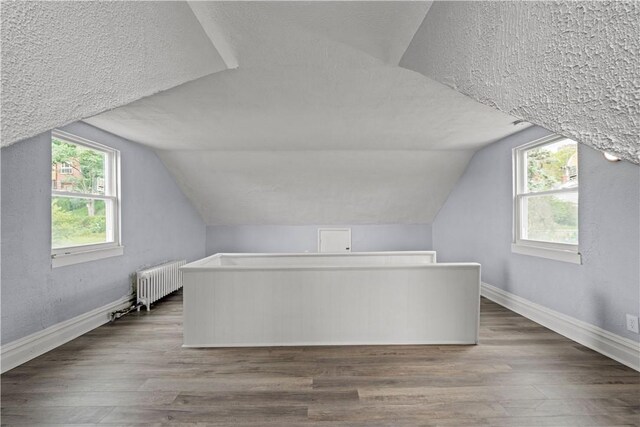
(327, 343)
(113, 192)
(62, 260)
(555, 254)
(318, 254)
(213, 262)
(551, 250)
(618, 348)
(75, 139)
(24, 349)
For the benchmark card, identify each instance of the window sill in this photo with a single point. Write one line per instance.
(542, 252)
(62, 260)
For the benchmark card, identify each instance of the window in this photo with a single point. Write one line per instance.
(66, 168)
(546, 199)
(85, 200)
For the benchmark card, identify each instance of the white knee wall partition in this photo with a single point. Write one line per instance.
(321, 299)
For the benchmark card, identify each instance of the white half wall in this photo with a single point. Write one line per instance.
(304, 238)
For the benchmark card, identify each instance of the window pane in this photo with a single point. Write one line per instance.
(76, 168)
(551, 218)
(79, 221)
(552, 166)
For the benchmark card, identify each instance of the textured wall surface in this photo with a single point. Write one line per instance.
(304, 238)
(158, 224)
(64, 61)
(475, 224)
(571, 67)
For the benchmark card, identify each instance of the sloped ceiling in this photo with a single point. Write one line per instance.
(570, 66)
(318, 124)
(317, 187)
(64, 61)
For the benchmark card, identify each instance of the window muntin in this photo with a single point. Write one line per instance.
(546, 194)
(85, 202)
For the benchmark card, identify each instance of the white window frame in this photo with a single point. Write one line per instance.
(61, 257)
(556, 251)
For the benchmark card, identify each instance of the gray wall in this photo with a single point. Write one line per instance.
(158, 224)
(475, 224)
(304, 238)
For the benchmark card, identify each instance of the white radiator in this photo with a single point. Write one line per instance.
(156, 282)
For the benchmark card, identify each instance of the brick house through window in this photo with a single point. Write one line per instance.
(64, 174)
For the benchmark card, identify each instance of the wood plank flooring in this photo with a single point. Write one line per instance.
(134, 372)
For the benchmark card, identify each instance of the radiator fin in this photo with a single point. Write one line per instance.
(157, 282)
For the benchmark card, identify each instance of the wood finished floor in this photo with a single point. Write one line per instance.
(134, 372)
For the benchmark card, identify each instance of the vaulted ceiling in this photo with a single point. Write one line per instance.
(317, 124)
(299, 112)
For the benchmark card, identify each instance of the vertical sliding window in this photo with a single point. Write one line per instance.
(546, 198)
(85, 200)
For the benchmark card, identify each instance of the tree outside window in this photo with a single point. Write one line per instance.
(83, 202)
(546, 202)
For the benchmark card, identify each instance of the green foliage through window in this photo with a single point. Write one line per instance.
(71, 223)
(553, 218)
(80, 220)
(551, 166)
(549, 192)
(88, 167)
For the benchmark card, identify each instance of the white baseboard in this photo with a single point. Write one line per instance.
(326, 344)
(618, 348)
(24, 349)
(609, 344)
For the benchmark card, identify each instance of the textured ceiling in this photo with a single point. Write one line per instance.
(64, 61)
(382, 29)
(317, 187)
(570, 66)
(294, 134)
(372, 106)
